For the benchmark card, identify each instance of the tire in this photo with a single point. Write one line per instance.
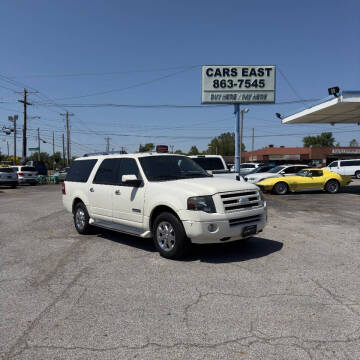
(13, 186)
(170, 237)
(281, 188)
(332, 186)
(357, 174)
(81, 219)
(33, 183)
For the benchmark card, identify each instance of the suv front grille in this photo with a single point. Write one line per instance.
(244, 220)
(240, 200)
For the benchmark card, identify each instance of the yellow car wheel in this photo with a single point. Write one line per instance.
(281, 188)
(332, 186)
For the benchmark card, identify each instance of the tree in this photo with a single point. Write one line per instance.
(147, 147)
(224, 144)
(324, 139)
(193, 151)
(180, 152)
(354, 143)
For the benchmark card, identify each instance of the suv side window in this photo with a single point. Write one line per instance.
(107, 172)
(127, 167)
(80, 170)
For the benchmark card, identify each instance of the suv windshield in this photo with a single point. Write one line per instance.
(27, 168)
(276, 169)
(169, 167)
(260, 169)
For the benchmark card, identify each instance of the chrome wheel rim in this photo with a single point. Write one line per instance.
(281, 188)
(332, 186)
(165, 236)
(80, 219)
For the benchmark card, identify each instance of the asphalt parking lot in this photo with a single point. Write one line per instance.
(291, 293)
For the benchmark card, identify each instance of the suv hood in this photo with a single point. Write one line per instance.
(203, 186)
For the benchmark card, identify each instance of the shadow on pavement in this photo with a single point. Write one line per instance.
(128, 240)
(237, 251)
(353, 189)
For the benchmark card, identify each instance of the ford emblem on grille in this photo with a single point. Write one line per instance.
(243, 200)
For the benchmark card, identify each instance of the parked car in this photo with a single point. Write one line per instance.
(306, 179)
(346, 167)
(8, 177)
(216, 165)
(277, 171)
(62, 173)
(258, 170)
(26, 174)
(164, 196)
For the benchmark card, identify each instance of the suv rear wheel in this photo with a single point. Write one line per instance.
(357, 174)
(81, 219)
(169, 236)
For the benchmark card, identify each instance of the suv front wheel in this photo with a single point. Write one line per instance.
(169, 236)
(81, 219)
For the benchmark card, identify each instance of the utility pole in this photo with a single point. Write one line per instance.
(68, 155)
(38, 144)
(24, 101)
(53, 144)
(13, 119)
(107, 139)
(7, 143)
(252, 145)
(63, 143)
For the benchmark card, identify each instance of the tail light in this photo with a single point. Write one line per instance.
(63, 188)
(20, 174)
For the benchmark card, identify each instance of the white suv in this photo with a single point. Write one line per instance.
(346, 167)
(164, 196)
(26, 174)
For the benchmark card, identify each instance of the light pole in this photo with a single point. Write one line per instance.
(242, 111)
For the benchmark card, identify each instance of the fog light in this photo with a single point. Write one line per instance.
(212, 228)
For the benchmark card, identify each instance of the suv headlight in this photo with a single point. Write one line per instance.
(262, 198)
(201, 203)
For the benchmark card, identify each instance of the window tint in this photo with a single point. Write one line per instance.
(210, 163)
(6, 170)
(107, 172)
(27, 168)
(316, 173)
(291, 170)
(350, 163)
(247, 166)
(80, 170)
(127, 167)
(334, 164)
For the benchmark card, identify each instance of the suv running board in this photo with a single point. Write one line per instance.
(131, 230)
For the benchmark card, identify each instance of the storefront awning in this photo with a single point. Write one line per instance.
(344, 109)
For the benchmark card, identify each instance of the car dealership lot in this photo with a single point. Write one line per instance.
(292, 293)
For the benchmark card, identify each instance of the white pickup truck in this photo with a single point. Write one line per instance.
(164, 196)
(216, 165)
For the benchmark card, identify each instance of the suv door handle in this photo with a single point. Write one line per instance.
(92, 190)
(117, 192)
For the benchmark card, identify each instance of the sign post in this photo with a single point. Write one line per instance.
(238, 84)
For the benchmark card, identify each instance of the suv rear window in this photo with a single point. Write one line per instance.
(209, 163)
(80, 170)
(27, 168)
(6, 170)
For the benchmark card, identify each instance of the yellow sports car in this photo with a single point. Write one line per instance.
(305, 179)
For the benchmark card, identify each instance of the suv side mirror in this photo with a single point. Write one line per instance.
(131, 180)
(282, 172)
(209, 172)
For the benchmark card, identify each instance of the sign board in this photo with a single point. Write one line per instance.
(346, 151)
(238, 84)
(162, 148)
(34, 149)
(285, 157)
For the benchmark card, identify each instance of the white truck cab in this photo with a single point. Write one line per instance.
(164, 196)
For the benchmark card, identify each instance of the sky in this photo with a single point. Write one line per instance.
(141, 54)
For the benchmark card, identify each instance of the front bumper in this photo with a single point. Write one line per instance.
(224, 228)
(28, 180)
